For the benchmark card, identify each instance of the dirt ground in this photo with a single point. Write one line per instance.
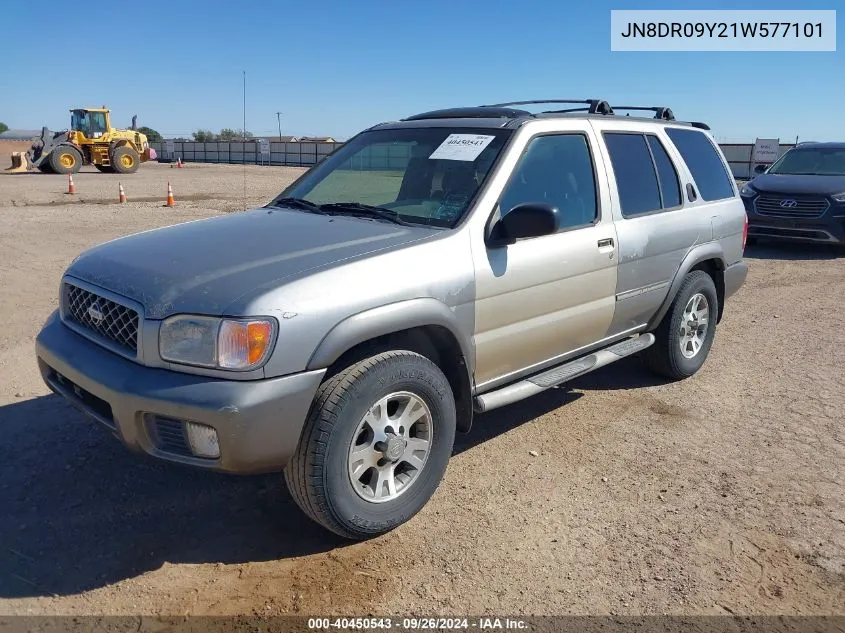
(719, 494)
(6, 149)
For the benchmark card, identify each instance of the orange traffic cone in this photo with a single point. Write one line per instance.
(179, 163)
(71, 188)
(170, 201)
(122, 193)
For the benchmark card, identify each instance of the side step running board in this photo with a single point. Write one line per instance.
(560, 374)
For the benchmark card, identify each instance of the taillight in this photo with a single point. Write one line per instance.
(745, 232)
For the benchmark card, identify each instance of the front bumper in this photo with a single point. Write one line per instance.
(827, 228)
(258, 422)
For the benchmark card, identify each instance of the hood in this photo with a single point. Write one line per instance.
(794, 184)
(204, 266)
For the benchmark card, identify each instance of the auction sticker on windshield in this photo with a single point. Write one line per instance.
(461, 147)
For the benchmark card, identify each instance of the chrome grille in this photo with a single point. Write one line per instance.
(104, 317)
(796, 206)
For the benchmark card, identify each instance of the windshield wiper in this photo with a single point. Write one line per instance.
(299, 203)
(364, 209)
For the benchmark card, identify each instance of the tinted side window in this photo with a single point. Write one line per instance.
(634, 171)
(670, 190)
(558, 170)
(704, 163)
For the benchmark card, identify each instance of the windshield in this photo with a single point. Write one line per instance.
(422, 175)
(811, 161)
(89, 123)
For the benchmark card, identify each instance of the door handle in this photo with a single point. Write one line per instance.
(691, 195)
(608, 241)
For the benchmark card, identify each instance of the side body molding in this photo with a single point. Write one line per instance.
(388, 319)
(696, 255)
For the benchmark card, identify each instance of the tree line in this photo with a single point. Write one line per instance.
(226, 134)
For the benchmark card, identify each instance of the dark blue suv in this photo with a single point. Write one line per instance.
(800, 197)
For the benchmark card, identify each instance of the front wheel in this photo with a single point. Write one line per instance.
(65, 159)
(684, 336)
(375, 446)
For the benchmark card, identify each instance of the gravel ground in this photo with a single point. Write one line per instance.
(719, 494)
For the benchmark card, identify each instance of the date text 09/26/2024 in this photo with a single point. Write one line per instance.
(417, 623)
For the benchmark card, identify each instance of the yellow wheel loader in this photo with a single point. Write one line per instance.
(91, 140)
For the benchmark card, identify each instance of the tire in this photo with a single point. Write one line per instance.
(125, 160)
(319, 476)
(65, 159)
(666, 357)
(106, 169)
(45, 167)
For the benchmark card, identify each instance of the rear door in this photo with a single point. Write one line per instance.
(656, 217)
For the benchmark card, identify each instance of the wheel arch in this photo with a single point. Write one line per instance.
(425, 326)
(707, 257)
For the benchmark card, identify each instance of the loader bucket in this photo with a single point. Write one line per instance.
(19, 163)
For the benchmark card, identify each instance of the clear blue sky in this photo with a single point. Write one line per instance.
(334, 67)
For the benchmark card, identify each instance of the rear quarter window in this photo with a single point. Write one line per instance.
(704, 163)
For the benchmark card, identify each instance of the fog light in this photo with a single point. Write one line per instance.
(203, 440)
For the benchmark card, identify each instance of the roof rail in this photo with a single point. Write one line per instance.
(594, 106)
(481, 112)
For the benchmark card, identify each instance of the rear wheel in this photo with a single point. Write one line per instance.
(684, 336)
(65, 160)
(375, 446)
(125, 160)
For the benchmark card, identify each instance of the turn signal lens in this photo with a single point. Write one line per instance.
(243, 344)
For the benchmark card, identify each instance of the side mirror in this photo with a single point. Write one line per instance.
(759, 169)
(532, 219)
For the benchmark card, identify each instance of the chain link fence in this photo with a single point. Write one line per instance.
(306, 154)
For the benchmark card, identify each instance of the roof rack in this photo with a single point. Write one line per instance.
(594, 106)
(506, 110)
(660, 112)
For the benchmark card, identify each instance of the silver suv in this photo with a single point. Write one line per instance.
(431, 268)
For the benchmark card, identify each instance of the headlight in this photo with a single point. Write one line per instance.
(839, 197)
(238, 344)
(747, 191)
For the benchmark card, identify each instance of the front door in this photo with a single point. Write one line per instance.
(541, 298)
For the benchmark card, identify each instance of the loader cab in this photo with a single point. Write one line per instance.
(91, 123)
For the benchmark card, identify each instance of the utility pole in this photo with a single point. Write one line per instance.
(243, 131)
(279, 119)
